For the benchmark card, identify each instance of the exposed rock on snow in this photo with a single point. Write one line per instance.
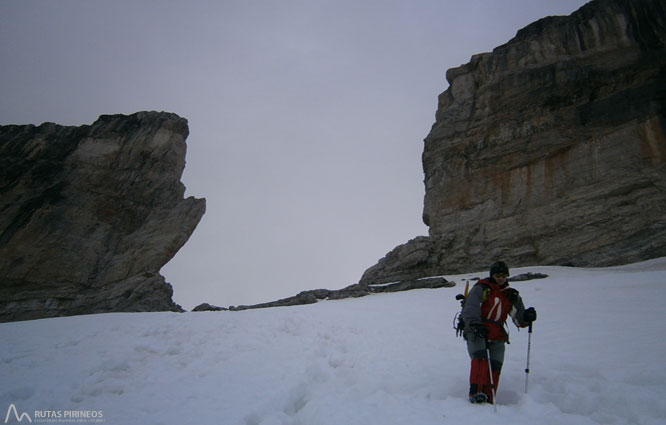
(90, 215)
(208, 307)
(351, 291)
(551, 149)
(527, 276)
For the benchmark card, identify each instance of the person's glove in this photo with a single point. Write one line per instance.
(479, 329)
(529, 315)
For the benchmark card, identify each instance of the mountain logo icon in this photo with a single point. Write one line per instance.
(12, 409)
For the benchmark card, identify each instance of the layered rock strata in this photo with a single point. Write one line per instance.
(90, 215)
(551, 149)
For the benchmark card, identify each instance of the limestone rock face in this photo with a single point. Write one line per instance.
(91, 214)
(551, 149)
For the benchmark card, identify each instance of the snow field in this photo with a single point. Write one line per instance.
(597, 357)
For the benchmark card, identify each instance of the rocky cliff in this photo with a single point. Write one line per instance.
(91, 214)
(551, 149)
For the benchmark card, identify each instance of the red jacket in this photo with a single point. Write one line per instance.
(489, 303)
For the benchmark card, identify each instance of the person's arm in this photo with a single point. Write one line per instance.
(521, 316)
(517, 312)
(471, 312)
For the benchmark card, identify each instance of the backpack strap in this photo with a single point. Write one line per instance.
(486, 290)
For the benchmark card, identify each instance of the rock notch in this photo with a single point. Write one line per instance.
(551, 149)
(90, 215)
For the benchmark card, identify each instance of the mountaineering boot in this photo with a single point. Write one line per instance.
(478, 398)
(479, 381)
(488, 388)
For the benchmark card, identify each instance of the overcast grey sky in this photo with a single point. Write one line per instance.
(306, 117)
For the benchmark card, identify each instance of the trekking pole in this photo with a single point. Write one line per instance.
(490, 370)
(529, 345)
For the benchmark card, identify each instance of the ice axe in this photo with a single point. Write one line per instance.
(461, 297)
(458, 324)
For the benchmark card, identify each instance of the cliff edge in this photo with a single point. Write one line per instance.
(90, 215)
(551, 149)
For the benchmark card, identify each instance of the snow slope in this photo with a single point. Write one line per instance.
(598, 356)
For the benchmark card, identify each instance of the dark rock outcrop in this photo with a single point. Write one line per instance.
(527, 276)
(352, 291)
(551, 149)
(90, 215)
(208, 307)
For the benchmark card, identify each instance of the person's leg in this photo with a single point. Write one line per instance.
(496, 361)
(479, 376)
